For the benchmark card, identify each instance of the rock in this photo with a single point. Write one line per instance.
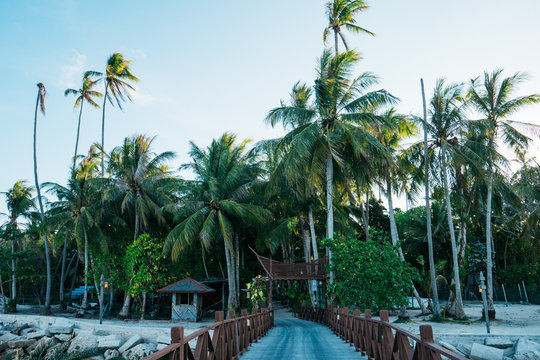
(448, 346)
(61, 328)
(27, 331)
(164, 340)
(111, 353)
(109, 342)
(140, 351)
(40, 342)
(524, 346)
(464, 348)
(482, 352)
(4, 339)
(52, 350)
(21, 343)
(498, 342)
(84, 340)
(533, 355)
(131, 342)
(36, 334)
(63, 337)
(20, 328)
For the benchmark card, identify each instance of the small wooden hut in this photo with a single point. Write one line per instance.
(187, 298)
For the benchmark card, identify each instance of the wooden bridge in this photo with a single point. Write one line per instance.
(312, 334)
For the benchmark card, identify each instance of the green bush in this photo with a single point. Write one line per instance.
(11, 306)
(369, 274)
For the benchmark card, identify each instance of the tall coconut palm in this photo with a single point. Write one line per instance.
(446, 121)
(75, 208)
(40, 105)
(330, 125)
(19, 202)
(116, 78)
(138, 177)
(429, 233)
(217, 198)
(492, 98)
(341, 15)
(85, 93)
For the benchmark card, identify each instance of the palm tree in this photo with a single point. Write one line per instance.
(215, 201)
(74, 208)
(429, 233)
(40, 105)
(19, 202)
(341, 14)
(329, 127)
(84, 93)
(446, 121)
(139, 176)
(492, 99)
(116, 77)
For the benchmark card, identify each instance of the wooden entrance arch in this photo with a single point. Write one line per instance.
(277, 270)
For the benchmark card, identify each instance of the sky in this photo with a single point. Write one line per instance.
(209, 67)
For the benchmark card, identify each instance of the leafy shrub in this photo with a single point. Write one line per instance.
(11, 306)
(369, 274)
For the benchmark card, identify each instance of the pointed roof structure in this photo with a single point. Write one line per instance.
(186, 285)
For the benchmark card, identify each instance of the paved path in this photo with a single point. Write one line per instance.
(292, 338)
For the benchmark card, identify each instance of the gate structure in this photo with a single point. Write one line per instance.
(276, 270)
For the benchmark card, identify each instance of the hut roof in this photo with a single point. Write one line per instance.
(186, 285)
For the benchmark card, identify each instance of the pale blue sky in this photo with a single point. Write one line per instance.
(207, 67)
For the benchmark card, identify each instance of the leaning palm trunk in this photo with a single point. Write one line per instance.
(434, 292)
(77, 139)
(458, 311)
(13, 274)
(103, 130)
(395, 240)
(330, 206)
(84, 303)
(313, 235)
(489, 258)
(63, 272)
(47, 307)
(236, 258)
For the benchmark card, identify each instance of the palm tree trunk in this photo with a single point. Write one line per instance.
(77, 139)
(232, 304)
(459, 313)
(63, 272)
(313, 235)
(489, 259)
(434, 292)
(84, 303)
(13, 268)
(307, 254)
(47, 307)
(330, 206)
(204, 262)
(237, 265)
(143, 307)
(3, 295)
(336, 41)
(103, 130)
(124, 312)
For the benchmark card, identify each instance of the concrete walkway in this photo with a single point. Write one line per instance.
(292, 338)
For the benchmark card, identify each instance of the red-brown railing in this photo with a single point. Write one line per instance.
(229, 339)
(380, 339)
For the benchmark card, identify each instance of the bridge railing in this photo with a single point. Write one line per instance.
(228, 340)
(380, 339)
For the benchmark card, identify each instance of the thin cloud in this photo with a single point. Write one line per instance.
(71, 73)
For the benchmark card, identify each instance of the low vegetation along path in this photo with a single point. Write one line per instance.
(292, 338)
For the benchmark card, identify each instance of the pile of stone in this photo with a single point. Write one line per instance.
(497, 348)
(18, 341)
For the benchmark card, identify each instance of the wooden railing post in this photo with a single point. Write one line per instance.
(387, 336)
(177, 334)
(426, 336)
